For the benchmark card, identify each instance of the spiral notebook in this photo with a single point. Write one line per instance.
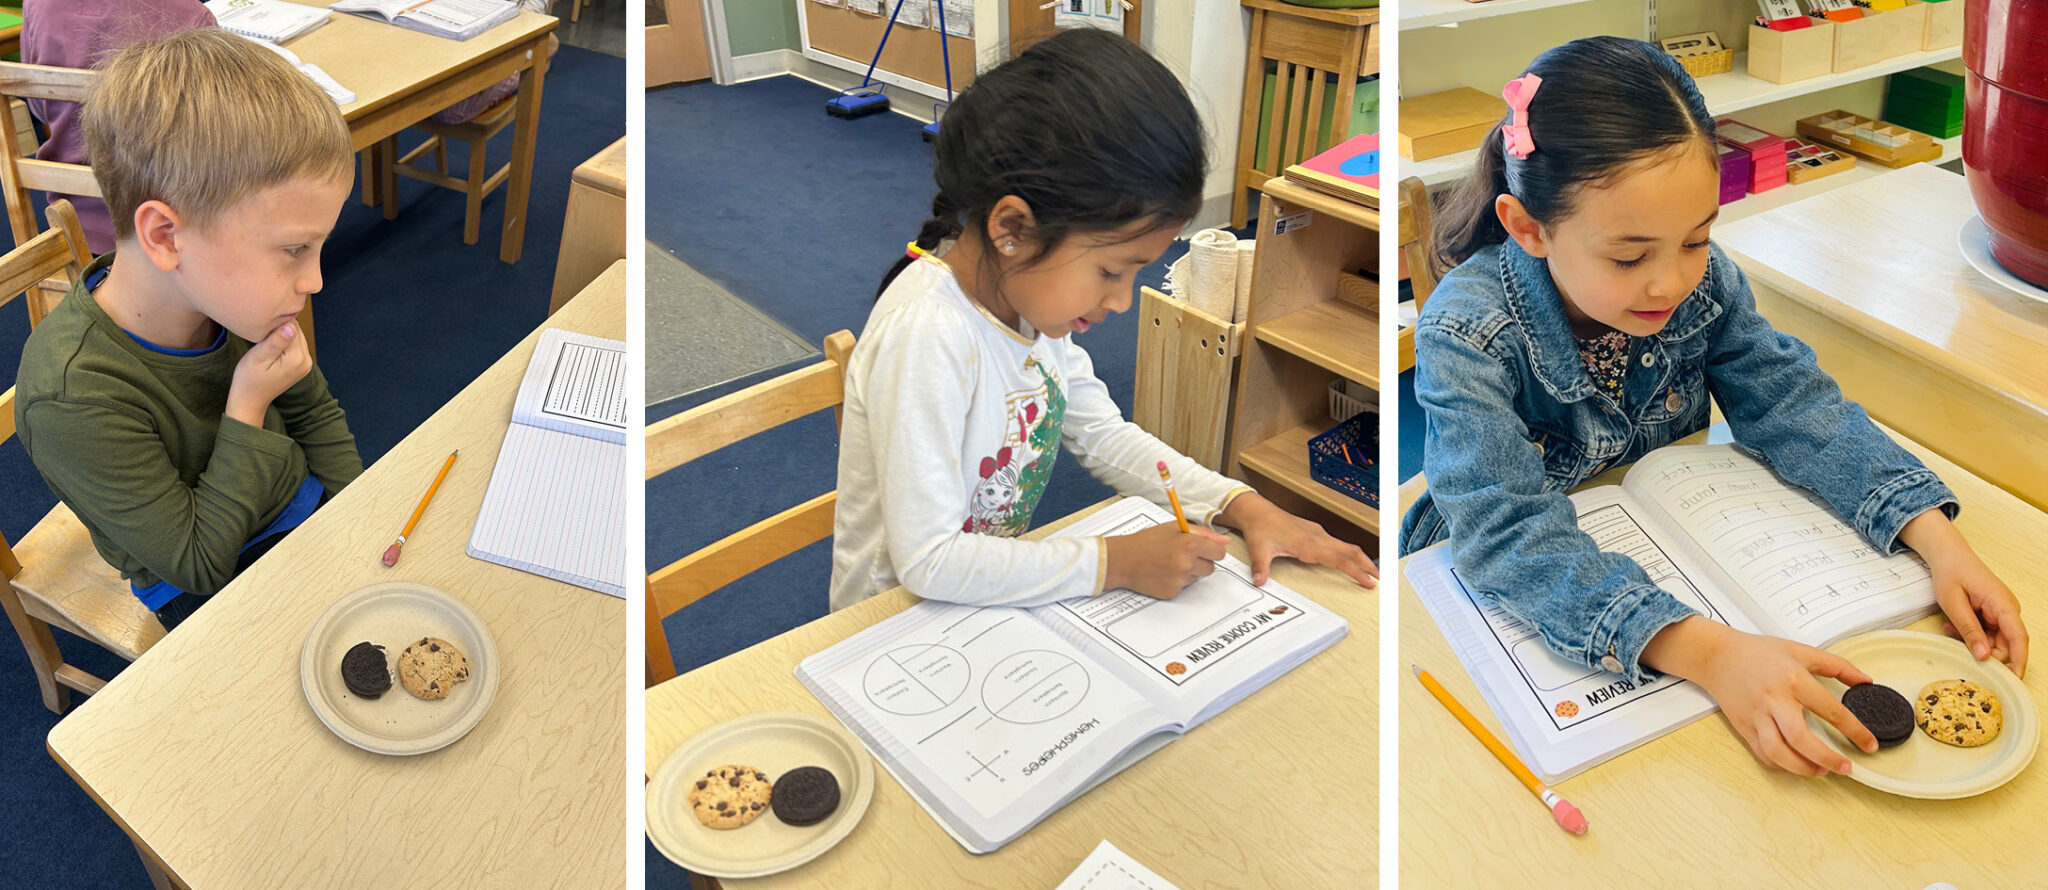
(557, 502)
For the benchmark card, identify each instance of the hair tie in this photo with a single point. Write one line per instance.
(915, 252)
(1515, 134)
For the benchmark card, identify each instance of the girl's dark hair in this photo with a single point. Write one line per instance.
(1605, 104)
(1085, 127)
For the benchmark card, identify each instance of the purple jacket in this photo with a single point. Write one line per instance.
(78, 34)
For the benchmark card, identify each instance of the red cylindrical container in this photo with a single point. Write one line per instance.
(2005, 128)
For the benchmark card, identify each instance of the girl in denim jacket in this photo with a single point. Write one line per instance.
(1589, 320)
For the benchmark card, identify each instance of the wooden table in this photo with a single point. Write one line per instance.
(1281, 790)
(207, 754)
(594, 226)
(400, 77)
(1871, 276)
(1693, 808)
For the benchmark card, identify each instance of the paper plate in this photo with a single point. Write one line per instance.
(394, 614)
(773, 743)
(1920, 766)
(1975, 241)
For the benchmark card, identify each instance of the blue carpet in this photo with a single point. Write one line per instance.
(799, 214)
(408, 316)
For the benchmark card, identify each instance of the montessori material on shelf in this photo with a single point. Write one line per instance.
(1892, 146)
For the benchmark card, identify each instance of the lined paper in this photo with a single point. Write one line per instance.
(556, 503)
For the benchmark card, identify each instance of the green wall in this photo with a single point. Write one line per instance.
(758, 26)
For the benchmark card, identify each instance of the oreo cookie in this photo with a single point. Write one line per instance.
(1882, 710)
(364, 671)
(807, 794)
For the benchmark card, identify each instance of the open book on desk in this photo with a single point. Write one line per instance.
(454, 19)
(995, 717)
(1715, 528)
(556, 505)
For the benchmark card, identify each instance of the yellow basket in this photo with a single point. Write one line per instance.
(1703, 64)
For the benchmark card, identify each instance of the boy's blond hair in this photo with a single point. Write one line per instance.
(200, 120)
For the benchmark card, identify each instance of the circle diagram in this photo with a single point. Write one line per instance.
(916, 680)
(1034, 686)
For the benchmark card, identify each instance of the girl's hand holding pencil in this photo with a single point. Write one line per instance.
(1160, 560)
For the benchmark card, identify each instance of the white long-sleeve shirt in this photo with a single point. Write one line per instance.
(951, 426)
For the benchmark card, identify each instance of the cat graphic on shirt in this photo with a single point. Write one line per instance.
(1013, 478)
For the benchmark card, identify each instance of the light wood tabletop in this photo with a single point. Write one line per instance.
(1281, 790)
(1693, 809)
(401, 77)
(206, 752)
(1870, 275)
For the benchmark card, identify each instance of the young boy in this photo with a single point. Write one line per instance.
(170, 400)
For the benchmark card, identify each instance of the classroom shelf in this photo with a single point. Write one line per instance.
(1299, 337)
(1332, 335)
(1284, 459)
(1725, 94)
(1435, 13)
(1951, 149)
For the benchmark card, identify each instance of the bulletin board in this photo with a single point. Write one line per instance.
(912, 52)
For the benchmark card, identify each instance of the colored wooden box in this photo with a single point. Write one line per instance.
(1734, 174)
(1786, 56)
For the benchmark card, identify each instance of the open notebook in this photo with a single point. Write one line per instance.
(454, 19)
(1718, 530)
(556, 505)
(995, 717)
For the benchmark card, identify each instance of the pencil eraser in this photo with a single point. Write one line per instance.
(1569, 817)
(391, 555)
(1162, 466)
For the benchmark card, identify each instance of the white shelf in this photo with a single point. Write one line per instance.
(1725, 94)
(1736, 90)
(1433, 13)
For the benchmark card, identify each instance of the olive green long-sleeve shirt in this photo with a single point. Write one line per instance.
(138, 444)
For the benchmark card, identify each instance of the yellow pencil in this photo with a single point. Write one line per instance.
(1560, 809)
(391, 553)
(1173, 496)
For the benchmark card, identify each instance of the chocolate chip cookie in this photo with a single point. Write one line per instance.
(1959, 713)
(730, 796)
(431, 667)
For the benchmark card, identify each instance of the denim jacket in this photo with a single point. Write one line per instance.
(1514, 421)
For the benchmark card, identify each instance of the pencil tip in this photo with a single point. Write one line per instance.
(1416, 668)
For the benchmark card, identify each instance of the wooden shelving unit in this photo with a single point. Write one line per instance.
(1300, 335)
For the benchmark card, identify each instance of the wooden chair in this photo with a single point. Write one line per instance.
(1307, 47)
(1418, 255)
(714, 425)
(476, 133)
(54, 576)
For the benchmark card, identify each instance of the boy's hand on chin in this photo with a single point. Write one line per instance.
(268, 369)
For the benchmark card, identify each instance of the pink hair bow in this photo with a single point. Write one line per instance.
(1518, 92)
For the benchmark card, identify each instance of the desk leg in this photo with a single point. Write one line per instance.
(525, 135)
(369, 156)
(159, 879)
